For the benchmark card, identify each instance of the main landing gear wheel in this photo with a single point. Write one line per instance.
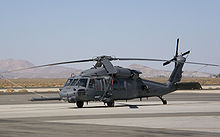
(111, 104)
(163, 100)
(79, 104)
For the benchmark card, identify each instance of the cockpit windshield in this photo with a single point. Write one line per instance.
(76, 82)
(68, 82)
(73, 83)
(81, 82)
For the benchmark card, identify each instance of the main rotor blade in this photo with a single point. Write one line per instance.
(205, 64)
(162, 60)
(52, 64)
(177, 47)
(140, 59)
(110, 59)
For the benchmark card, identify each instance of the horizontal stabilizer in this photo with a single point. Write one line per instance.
(188, 86)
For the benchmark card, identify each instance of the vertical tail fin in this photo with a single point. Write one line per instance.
(179, 60)
(176, 74)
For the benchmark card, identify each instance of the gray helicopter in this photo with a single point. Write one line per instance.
(107, 83)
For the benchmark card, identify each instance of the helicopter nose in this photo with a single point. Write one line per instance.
(66, 92)
(73, 94)
(78, 94)
(69, 96)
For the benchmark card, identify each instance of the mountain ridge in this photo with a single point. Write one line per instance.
(47, 72)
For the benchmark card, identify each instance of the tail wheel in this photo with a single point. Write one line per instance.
(164, 102)
(111, 104)
(79, 104)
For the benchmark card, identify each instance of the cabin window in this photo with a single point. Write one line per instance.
(92, 83)
(99, 84)
(118, 85)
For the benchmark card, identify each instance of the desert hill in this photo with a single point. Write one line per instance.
(47, 72)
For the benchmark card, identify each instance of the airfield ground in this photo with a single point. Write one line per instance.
(187, 114)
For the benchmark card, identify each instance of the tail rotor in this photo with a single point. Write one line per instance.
(174, 59)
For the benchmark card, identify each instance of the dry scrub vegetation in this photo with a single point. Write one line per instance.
(60, 82)
(32, 83)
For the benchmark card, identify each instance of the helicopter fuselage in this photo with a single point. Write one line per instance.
(94, 85)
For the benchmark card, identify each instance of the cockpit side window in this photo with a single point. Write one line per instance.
(82, 82)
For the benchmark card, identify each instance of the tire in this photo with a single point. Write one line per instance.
(111, 104)
(79, 104)
(164, 102)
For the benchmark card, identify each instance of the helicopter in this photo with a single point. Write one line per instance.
(107, 83)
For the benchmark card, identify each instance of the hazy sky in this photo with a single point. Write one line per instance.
(47, 31)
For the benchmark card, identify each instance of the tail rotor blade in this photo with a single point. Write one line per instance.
(186, 53)
(177, 47)
(166, 63)
(169, 61)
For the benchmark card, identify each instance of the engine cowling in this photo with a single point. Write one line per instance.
(127, 73)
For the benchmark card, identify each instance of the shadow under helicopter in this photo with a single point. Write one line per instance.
(119, 105)
(131, 106)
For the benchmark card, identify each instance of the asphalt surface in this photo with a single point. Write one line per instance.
(187, 114)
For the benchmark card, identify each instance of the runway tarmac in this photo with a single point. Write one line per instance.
(187, 114)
